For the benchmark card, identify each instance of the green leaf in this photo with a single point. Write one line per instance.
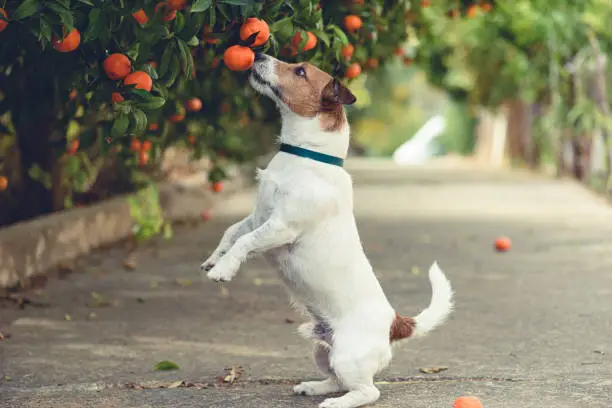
(140, 121)
(25, 9)
(322, 36)
(234, 2)
(97, 23)
(175, 69)
(64, 13)
(155, 102)
(281, 24)
(200, 5)
(166, 366)
(45, 30)
(185, 55)
(193, 42)
(339, 34)
(120, 126)
(166, 59)
(88, 2)
(148, 68)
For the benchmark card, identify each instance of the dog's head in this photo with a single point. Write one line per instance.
(302, 89)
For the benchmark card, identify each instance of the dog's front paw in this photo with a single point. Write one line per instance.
(208, 264)
(223, 271)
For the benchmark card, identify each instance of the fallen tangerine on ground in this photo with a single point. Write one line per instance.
(467, 402)
(217, 187)
(348, 51)
(169, 14)
(353, 71)
(253, 25)
(69, 43)
(141, 17)
(239, 58)
(352, 23)
(116, 97)
(503, 244)
(117, 66)
(193, 104)
(140, 79)
(3, 23)
(3, 183)
(310, 43)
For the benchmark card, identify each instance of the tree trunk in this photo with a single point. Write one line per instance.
(35, 150)
(520, 144)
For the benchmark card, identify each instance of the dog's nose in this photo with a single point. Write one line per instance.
(259, 56)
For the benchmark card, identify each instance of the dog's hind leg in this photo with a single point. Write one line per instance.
(328, 386)
(355, 365)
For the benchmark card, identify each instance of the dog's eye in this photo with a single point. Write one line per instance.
(299, 71)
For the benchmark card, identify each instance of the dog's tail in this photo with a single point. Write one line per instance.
(434, 315)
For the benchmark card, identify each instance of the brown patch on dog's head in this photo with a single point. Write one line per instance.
(309, 91)
(401, 328)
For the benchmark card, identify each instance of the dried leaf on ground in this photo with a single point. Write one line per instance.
(154, 284)
(289, 321)
(184, 282)
(224, 292)
(67, 317)
(129, 263)
(166, 366)
(599, 352)
(7, 378)
(98, 300)
(4, 336)
(258, 281)
(233, 374)
(432, 370)
(92, 316)
(176, 384)
(415, 270)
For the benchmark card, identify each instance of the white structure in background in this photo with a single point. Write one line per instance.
(423, 145)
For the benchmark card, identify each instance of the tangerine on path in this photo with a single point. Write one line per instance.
(194, 104)
(467, 402)
(310, 44)
(503, 244)
(140, 16)
(70, 42)
(3, 23)
(353, 71)
(348, 51)
(253, 25)
(169, 14)
(239, 58)
(117, 66)
(141, 79)
(116, 97)
(3, 183)
(352, 23)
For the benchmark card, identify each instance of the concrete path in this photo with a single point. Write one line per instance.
(532, 328)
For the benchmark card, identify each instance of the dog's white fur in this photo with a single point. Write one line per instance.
(304, 224)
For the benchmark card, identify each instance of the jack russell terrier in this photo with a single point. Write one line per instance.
(304, 224)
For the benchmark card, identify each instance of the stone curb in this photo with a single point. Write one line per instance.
(33, 247)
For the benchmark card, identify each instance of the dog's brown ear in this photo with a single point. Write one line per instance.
(336, 92)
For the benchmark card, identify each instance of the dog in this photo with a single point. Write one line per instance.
(303, 223)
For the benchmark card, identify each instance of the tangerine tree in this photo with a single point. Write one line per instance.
(92, 92)
(524, 54)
